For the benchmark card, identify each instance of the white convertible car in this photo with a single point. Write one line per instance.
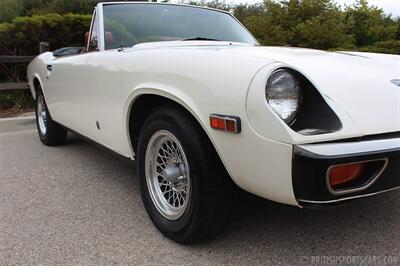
(190, 95)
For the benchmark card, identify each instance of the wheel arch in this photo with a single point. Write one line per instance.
(143, 103)
(36, 84)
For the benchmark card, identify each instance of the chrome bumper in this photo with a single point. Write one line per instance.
(341, 149)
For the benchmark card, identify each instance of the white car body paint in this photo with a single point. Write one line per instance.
(209, 77)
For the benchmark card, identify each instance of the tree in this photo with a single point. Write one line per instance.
(307, 23)
(322, 33)
(9, 9)
(318, 24)
(218, 4)
(369, 24)
(73, 6)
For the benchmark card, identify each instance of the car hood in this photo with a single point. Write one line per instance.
(359, 83)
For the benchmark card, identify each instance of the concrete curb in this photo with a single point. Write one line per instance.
(18, 118)
(14, 124)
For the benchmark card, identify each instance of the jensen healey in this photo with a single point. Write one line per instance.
(190, 95)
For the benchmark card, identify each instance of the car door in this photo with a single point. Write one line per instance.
(90, 89)
(105, 91)
(68, 81)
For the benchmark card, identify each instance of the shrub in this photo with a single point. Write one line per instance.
(387, 47)
(23, 34)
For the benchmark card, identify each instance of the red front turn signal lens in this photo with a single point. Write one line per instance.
(226, 123)
(217, 123)
(345, 173)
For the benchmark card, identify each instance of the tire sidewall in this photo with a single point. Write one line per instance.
(43, 137)
(166, 122)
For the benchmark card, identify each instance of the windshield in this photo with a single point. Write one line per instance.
(130, 24)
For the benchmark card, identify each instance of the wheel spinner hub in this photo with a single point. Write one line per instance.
(174, 173)
(167, 175)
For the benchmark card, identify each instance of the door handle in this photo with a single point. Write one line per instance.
(49, 69)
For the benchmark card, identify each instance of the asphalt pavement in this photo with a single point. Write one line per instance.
(80, 204)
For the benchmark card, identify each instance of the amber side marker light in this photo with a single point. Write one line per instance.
(342, 174)
(226, 123)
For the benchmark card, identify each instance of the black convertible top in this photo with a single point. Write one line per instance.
(67, 51)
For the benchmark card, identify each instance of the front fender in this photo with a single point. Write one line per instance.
(37, 70)
(243, 155)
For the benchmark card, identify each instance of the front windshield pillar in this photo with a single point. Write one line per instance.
(100, 27)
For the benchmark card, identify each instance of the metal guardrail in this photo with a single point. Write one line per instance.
(15, 59)
(13, 86)
(12, 59)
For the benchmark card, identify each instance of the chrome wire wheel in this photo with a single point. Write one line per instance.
(41, 115)
(167, 175)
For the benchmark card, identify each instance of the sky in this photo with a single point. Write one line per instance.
(390, 6)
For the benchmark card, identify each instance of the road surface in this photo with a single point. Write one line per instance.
(80, 204)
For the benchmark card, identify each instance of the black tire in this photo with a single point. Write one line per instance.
(55, 134)
(211, 187)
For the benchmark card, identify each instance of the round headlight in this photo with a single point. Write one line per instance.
(283, 93)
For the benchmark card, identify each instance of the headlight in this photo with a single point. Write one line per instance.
(284, 94)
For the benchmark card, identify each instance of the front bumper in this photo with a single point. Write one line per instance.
(311, 163)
